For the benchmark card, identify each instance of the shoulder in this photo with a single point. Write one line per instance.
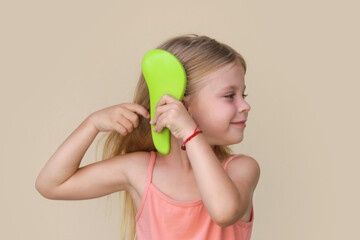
(136, 161)
(244, 168)
(136, 166)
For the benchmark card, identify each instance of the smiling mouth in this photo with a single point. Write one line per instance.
(238, 122)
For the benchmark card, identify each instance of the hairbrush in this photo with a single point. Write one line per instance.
(164, 74)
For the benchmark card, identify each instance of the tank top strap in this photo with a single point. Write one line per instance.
(231, 158)
(150, 167)
(148, 181)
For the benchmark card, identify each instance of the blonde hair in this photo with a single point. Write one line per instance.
(200, 56)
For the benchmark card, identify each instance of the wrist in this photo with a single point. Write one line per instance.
(189, 136)
(188, 132)
(90, 124)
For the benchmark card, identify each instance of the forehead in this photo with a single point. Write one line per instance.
(230, 76)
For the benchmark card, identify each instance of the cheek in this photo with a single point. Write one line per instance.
(224, 110)
(215, 116)
(204, 114)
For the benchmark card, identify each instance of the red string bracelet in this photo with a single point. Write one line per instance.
(188, 139)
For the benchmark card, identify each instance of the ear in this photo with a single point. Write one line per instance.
(186, 98)
(186, 102)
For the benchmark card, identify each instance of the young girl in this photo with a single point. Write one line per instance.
(202, 192)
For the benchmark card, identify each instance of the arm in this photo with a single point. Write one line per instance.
(66, 160)
(225, 197)
(61, 177)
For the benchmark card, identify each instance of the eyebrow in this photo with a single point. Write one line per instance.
(232, 87)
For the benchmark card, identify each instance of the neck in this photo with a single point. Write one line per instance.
(177, 157)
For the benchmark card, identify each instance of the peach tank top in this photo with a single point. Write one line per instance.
(162, 218)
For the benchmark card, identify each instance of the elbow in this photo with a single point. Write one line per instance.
(228, 219)
(225, 222)
(43, 190)
(40, 189)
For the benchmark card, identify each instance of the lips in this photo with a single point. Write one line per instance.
(240, 122)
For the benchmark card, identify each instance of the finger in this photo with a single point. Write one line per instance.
(161, 124)
(134, 107)
(132, 117)
(120, 128)
(160, 110)
(165, 99)
(126, 123)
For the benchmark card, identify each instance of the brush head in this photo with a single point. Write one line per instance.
(164, 74)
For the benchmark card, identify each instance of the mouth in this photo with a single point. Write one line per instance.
(239, 122)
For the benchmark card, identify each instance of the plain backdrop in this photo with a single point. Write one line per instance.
(62, 60)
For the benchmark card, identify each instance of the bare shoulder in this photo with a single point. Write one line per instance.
(245, 168)
(136, 162)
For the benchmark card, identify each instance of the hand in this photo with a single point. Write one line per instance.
(121, 118)
(171, 113)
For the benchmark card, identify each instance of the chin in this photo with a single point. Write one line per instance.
(229, 142)
(238, 139)
(228, 139)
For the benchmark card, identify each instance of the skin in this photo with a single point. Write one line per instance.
(213, 107)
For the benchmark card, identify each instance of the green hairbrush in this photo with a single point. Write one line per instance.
(164, 74)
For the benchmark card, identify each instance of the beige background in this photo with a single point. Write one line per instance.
(62, 60)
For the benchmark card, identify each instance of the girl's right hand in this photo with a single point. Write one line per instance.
(121, 118)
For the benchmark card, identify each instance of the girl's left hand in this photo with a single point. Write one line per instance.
(171, 113)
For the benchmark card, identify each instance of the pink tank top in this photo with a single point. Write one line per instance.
(162, 218)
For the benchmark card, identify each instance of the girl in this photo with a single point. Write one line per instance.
(200, 192)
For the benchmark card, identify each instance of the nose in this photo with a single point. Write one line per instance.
(243, 105)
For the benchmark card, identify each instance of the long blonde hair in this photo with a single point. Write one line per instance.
(200, 56)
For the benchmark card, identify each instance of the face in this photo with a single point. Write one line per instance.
(219, 104)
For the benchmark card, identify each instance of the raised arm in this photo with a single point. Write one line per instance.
(61, 177)
(65, 162)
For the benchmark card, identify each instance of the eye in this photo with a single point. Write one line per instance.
(231, 95)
